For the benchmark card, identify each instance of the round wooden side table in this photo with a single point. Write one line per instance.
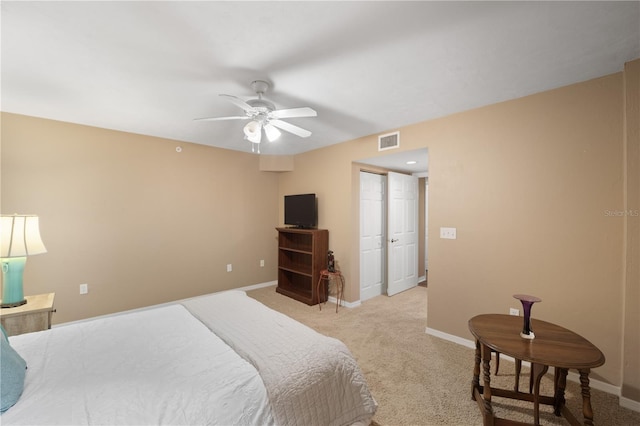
(554, 346)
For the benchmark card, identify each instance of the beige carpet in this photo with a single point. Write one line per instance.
(419, 379)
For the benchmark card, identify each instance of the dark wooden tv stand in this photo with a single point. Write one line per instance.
(302, 254)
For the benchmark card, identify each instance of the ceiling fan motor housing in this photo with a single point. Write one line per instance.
(260, 86)
(261, 105)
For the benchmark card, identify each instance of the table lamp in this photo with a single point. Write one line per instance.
(19, 238)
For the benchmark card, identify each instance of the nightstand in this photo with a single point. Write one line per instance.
(35, 315)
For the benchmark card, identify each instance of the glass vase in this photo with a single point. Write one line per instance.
(527, 302)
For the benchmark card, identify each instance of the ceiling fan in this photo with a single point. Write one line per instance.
(264, 116)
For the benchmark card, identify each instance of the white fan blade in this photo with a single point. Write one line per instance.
(288, 127)
(239, 102)
(221, 118)
(271, 132)
(293, 112)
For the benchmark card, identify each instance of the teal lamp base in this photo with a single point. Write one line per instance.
(12, 293)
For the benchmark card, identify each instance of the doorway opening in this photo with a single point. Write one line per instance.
(393, 241)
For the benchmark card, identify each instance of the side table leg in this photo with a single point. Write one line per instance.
(475, 383)
(339, 291)
(559, 387)
(486, 394)
(538, 370)
(587, 411)
(318, 288)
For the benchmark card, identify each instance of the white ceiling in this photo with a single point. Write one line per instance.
(365, 67)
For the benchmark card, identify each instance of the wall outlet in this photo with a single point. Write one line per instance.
(448, 233)
(229, 267)
(513, 311)
(84, 288)
(262, 263)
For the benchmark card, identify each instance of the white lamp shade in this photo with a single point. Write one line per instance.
(271, 132)
(253, 131)
(20, 236)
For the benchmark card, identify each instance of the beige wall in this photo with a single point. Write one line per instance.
(139, 222)
(531, 185)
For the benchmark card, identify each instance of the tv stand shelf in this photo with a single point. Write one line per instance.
(302, 254)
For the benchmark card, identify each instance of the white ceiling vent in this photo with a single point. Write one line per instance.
(388, 141)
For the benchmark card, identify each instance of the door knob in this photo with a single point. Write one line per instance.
(393, 241)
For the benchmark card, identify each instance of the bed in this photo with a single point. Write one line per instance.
(218, 359)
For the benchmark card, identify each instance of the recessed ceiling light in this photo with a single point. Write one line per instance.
(412, 162)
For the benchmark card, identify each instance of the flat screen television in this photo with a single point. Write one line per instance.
(300, 210)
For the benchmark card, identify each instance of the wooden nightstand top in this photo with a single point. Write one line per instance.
(36, 303)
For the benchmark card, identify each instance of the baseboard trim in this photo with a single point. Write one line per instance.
(450, 337)
(355, 304)
(572, 376)
(257, 286)
(630, 404)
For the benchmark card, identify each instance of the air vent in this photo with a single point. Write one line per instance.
(388, 141)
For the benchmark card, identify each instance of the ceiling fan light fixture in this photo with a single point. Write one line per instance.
(253, 131)
(271, 132)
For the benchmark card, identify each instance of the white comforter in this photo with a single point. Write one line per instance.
(160, 366)
(311, 379)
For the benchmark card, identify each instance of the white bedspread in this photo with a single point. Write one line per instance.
(315, 381)
(160, 366)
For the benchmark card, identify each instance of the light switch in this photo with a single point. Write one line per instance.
(448, 233)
